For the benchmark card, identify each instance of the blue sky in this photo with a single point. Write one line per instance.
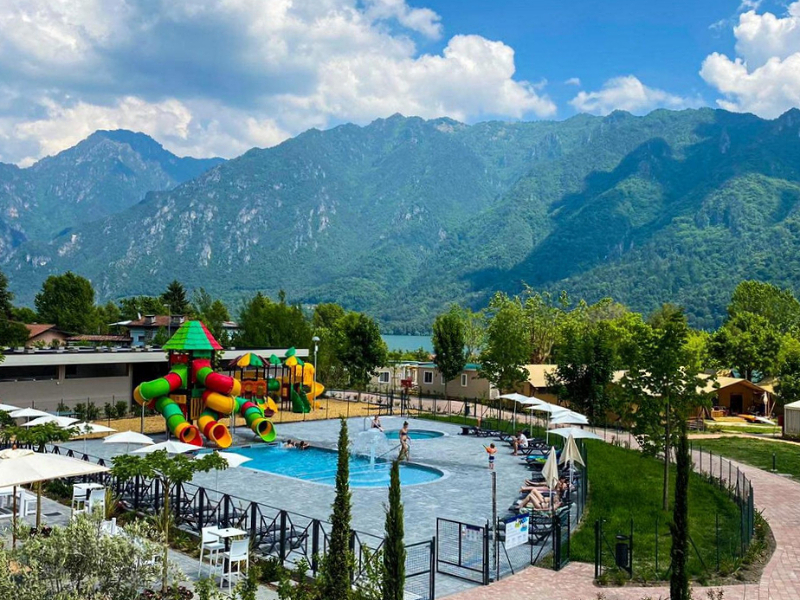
(211, 78)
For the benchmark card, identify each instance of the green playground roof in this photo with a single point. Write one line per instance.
(192, 335)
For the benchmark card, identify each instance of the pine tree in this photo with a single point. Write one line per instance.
(394, 549)
(336, 573)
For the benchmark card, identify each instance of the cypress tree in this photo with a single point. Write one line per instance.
(679, 580)
(336, 573)
(394, 549)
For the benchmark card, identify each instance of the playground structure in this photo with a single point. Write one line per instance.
(193, 392)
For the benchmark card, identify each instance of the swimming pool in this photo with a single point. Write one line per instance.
(319, 466)
(414, 434)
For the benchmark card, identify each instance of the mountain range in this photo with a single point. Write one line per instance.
(401, 217)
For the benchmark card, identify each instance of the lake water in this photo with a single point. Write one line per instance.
(408, 342)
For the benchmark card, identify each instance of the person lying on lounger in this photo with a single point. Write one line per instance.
(537, 501)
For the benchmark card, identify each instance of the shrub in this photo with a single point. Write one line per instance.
(121, 409)
(92, 412)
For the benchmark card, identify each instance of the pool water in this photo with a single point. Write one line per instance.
(414, 434)
(319, 465)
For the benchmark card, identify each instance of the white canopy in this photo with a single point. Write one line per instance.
(19, 467)
(62, 422)
(520, 399)
(568, 418)
(543, 406)
(171, 446)
(128, 437)
(8, 408)
(28, 413)
(576, 433)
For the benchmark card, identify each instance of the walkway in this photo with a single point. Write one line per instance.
(776, 496)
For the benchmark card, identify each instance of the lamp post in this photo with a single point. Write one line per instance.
(315, 339)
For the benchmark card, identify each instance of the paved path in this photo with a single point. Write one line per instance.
(776, 496)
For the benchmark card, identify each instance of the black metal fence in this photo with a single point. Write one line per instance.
(273, 532)
(720, 554)
(462, 550)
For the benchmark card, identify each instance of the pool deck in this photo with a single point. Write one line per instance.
(464, 493)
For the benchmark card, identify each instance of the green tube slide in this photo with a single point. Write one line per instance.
(256, 420)
(300, 402)
(162, 386)
(176, 422)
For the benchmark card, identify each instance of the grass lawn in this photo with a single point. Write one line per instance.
(757, 429)
(625, 485)
(755, 452)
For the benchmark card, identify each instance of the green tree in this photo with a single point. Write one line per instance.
(507, 348)
(336, 572)
(6, 296)
(544, 322)
(449, 352)
(326, 322)
(12, 334)
(23, 314)
(68, 302)
(586, 360)
(171, 472)
(474, 331)
(267, 324)
(779, 307)
(361, 349)
(211, 312)
(394, 548)
(749, 343)
(175, 299)
(788, 387)
(136, 307)
(104, 316)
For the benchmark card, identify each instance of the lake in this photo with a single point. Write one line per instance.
(408, 342)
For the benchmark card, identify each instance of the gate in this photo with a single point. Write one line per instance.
(421, 571)
(561, 533)
(462, 550)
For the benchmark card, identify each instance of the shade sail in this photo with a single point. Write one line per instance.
(20, 467)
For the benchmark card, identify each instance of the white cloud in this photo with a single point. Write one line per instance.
(764, 77)
(573, 81)
(627, 93)
(218, 77)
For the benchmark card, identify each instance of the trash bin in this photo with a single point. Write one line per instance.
(622, 553)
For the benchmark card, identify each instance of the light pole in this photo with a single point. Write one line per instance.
(315, 339)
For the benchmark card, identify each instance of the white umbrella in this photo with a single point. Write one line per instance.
(171, 446)
(85, 429)
(571, 453)
(519, 399)
(20, 467)
(8, 408)
(550, 472)
(28, 413)
(62, 422)
(551, 410)
(568, 418)
(233, 459)
(128, 438)
(576, 433)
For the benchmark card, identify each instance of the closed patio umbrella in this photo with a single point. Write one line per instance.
(20, 467)
(550, 472)
(572, 454)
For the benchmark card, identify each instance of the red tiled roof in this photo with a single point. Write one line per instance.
(35, 329)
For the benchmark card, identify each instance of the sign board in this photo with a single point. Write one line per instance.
(517, 531)
(471, 533)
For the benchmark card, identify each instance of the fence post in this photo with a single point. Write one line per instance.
(282, 538)
(314, 545)
(432, 570)
(486, 554)
(774, 468)
(598, 549)
(657, 517)
(201, 515)
(716, 533)
(253, 519)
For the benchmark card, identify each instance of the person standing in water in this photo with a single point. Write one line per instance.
(403, 442)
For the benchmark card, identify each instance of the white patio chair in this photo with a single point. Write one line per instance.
(211, 546)
(78, 500)
(238, 554)
(97, 501)
(27, 504)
